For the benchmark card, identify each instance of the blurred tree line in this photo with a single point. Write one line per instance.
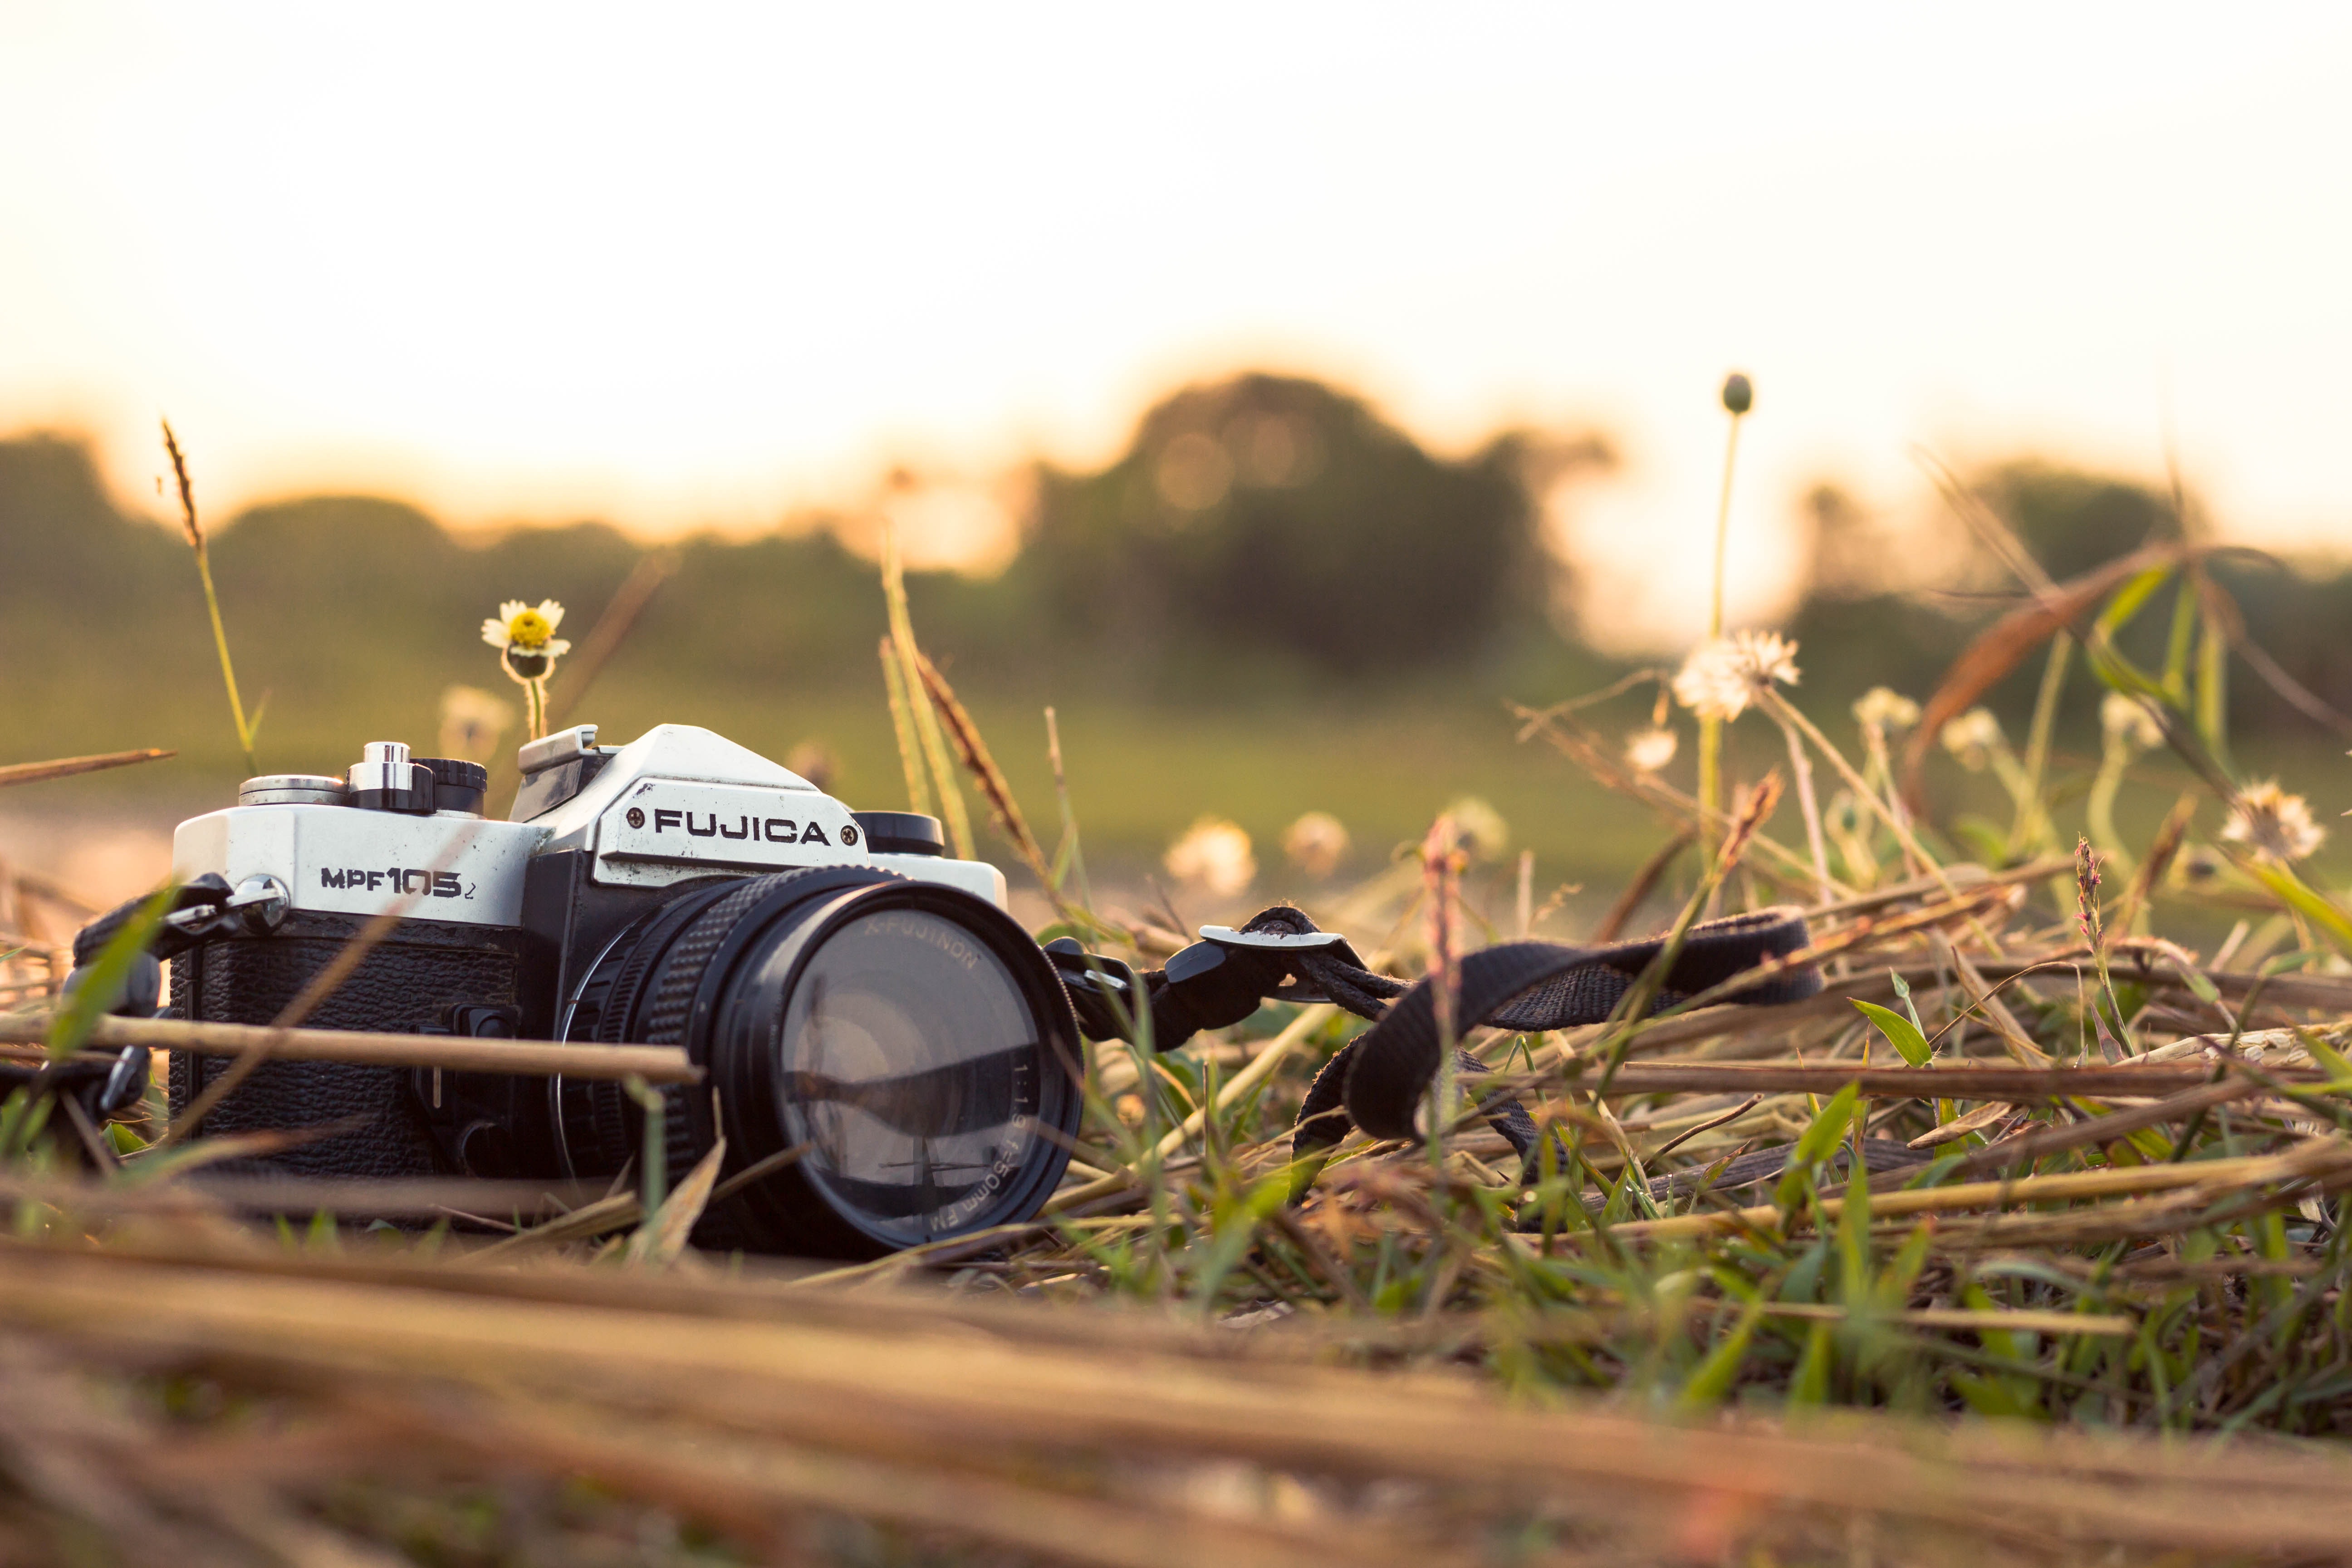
(1857, 632)
(1264, 538)
(1278, 519)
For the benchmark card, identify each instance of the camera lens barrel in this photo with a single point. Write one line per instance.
(908, 1041)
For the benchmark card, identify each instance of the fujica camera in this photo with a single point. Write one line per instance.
(842, 984)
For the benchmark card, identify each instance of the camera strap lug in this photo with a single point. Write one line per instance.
(203, 907)
(1105, 991)
(99, 1089)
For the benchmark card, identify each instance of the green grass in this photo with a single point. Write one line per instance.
(2076, 1255)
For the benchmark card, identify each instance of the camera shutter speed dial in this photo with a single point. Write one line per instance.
(383, 779)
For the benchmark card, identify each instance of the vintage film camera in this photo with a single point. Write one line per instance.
(843, 983)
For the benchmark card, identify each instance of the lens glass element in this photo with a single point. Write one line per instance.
(911, 1065)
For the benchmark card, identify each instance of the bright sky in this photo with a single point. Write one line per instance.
(684, 266)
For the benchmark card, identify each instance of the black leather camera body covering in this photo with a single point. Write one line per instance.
(405, 985)
(426, 977)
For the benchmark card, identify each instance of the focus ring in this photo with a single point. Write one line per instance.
(690, 954)
(683, 965)
(596, 1122)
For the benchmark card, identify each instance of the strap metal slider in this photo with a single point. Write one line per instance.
(1274, 944)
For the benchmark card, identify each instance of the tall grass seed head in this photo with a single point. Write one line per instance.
(1972, 738)
(2273, 824)
(1738, 392)
(1316, 843)
(1647, 751)
(2086, 890)
(2125, 720)
(1214, 856)
(188, 523)
(525, 636)
(1886, 709)
(1724, 675)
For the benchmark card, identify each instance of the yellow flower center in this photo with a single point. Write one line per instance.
(530, 630)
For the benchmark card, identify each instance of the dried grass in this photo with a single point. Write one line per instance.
(2072, 1293)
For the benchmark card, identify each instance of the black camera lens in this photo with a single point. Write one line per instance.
(908, 1039)
(907, 1062)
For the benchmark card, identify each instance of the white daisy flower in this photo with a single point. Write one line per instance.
(1972, 738)
(2273, 824)
(2126, 718)
(1647, 751)
(1214, 856)
(1316, 843)
(1478, 827)
(528, 649)
(1724, 675)
(1886, 709)
(527, 634)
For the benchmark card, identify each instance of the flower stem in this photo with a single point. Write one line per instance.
(1710, 784)
(1710, 731)
(2031, 828)
(1787, 714)
(1723, 531)
(1804, 768)
(1441, 867)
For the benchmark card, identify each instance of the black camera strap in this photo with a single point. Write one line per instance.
(103, 1086)
(1376, 1080)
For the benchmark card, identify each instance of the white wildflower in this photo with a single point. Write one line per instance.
(816, 761)
(1316, 843)
(521, 631)
(2273, 824)
(1647, 751)
(1972, 738)
(1724, 675)
(1886, 709)
(528, 649)
(2126, 718)
(472, 720)
(1480, 828)
(1213, 855)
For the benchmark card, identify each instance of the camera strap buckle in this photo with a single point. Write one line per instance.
(1296, 986)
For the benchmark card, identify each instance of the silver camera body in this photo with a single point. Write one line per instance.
(677, 802)
(847, 989)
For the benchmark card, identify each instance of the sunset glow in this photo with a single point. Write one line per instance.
(706, 266)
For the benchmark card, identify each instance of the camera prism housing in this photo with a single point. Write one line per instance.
(855, 998)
